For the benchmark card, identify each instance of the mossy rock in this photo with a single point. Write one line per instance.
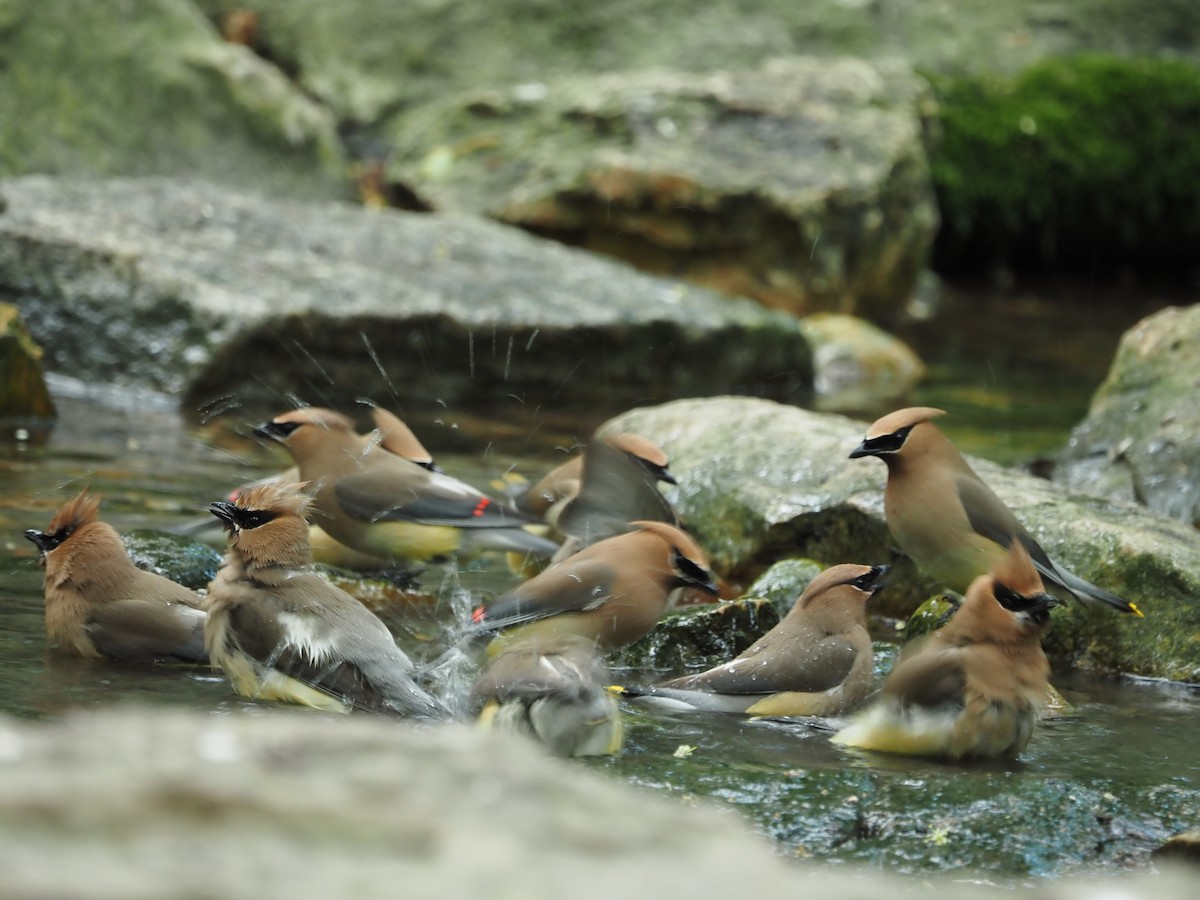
(700, 637)
(929, 617)
(23, 391)
(181, 559)
(783, 583)
(1073, 161)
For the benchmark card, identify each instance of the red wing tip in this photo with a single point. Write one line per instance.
(478, 614)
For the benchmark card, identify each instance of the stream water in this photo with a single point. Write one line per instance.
(1097, 789)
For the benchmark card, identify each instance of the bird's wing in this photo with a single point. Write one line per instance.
(823, 665)
(428, 498)
(353, 665)
(147, 629)
(614, 491)
(990, 517)
(932, 676)
(582, 586)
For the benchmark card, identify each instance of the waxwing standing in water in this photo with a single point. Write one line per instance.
(551, 688)
(974, 687)
(816, 662)
(281, 632)
(612, 592)
(99, 604)
(383, 505)
(943, 516)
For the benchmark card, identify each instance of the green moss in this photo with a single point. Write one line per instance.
(1073, 161)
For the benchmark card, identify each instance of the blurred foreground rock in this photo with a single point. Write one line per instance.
(149, 803)
(240, 300)
(1141, 439)
(760, 482)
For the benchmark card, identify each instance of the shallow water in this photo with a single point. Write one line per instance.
(1096, 790)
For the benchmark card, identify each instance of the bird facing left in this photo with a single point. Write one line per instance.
(100, 605)
(279, 631)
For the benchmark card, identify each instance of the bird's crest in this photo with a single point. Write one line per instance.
(75, 512)
(1016, 571)
(316, 415)
(277, 497)
(902, 418)
(642, 448)
(677, 538)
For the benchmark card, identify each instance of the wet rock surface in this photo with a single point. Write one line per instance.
(1141, 438)
(785, 487)
(801, 183)
(233, 299)
(23, 391)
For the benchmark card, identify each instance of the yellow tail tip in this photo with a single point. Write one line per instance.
(1137, 612)
(616, 689)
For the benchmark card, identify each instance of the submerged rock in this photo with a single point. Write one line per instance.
(89, 89)
(1141, 438)
(236, 300)
(802, 183)
(785, 488)
(180, 559)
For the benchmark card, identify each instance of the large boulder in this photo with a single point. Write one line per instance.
(95, 89)
(802, 182)
(1141, 438)
(759, 482)
(242, 300)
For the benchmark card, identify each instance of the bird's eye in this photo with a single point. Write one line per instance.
(252, 518)
(888, 443)
(1016, 602)
(688, 570)
(870, 580)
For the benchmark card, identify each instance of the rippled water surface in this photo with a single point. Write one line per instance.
(1098, 788)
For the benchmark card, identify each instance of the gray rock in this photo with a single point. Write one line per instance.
(95, 89)
(759, 481)
(138, 803)
(367, 58)
(1141, 438)
(858, 367)
(233, 299)
(801, 182)
(172, 556)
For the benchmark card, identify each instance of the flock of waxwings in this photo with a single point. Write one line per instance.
(609, 556)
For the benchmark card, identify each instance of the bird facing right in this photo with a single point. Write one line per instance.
(945, 518)
(972, 689)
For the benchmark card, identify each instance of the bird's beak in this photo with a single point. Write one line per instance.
(861, 450)
(226, 512)
(880, 581)
(275, 431)
(41, 539)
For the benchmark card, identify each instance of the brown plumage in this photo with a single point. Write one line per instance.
(945, 518)
(613, 592)
(551, 689)
(99, 604)
(974, 687)
(281, 632)
(816, 662)
(383, 505)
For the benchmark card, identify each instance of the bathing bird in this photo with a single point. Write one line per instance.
(99, 604)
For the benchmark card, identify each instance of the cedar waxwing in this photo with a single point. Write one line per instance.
(816, 662)
(281, 632)
(396, 437)
(380, 504)
(617, 485)
(945, 518)
(99, 604)
(974, 687)
(561, 485)
(612, 592)
(552, 689)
